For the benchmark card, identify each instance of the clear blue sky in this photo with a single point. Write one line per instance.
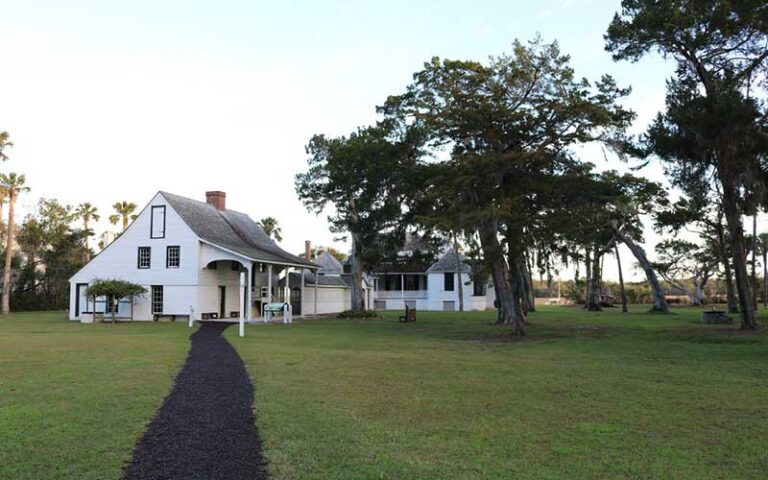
(112, 101)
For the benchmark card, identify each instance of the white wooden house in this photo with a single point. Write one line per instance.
(433, 288)
(189, 255)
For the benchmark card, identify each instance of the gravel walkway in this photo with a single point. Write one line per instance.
(205, 428)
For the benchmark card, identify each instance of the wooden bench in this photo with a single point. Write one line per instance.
(410, 315)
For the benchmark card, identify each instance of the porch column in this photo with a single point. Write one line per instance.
(242, 300)
(269, 289)
(287, 289)
(249, 293)
(317, 280)
(301, 305)
(402, 288)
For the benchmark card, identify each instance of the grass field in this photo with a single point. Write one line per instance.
(74, 398)
(598, 396)
(584, 395)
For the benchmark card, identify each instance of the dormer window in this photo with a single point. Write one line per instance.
(157, 222)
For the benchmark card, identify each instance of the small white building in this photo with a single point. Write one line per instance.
(436, 288)
(189, 255)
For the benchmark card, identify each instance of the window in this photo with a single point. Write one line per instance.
(173, 257)
(448, 282)
(478, 289)
(111, 306)
(157, 299)
(157, 222)
(145, 254)
(235, 266)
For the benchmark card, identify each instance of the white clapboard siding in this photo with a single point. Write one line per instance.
(120, 260)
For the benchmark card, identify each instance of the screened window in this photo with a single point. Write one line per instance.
(157, 227)
(448, 282)
(173, 257)
(111, 306)
(478, 289)
(157, 299)
(145, 254)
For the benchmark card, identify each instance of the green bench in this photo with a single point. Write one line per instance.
(270, 309)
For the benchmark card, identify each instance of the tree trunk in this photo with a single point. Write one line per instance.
(587, 276)
(8, 257)
(621, 281)
(527, 278)
(765, 276)
(659, 300)
(754, 262)
(459, 273)
(357, 276)
(730, 290)
(698, 292)
(736, 237)
(509, 310)
(593, 299)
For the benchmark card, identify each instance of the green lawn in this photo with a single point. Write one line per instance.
(74, 398)
(452, 396)
(585, 395)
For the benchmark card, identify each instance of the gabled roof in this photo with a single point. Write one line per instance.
(448, 263)
(231, 230)
(329, 263)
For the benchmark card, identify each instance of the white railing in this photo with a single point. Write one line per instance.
(395, 294)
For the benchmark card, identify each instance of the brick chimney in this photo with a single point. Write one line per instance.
(307, 250)
(217, 199)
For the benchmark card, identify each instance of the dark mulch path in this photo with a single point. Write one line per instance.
(205, 428)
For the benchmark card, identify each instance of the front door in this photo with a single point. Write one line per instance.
(222, 301)
(81, 299)
(296, 301)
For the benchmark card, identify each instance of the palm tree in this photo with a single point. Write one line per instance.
(14, 185)
(87, 212)
(123, 211)
(5, 142)
(271, 228)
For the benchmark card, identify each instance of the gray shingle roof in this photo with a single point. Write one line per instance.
(328, 263)
(231, 230)
(309, 279)
(448, 263)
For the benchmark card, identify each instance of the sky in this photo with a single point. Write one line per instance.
(111, 101)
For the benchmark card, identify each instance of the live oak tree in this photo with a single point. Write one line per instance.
(364, 177)
(680, 261)
(505, 125)
(712, 126)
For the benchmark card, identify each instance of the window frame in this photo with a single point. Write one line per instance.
(153, 300)
(168, 256)
(447, 283)
(152, 221)
(149, 258)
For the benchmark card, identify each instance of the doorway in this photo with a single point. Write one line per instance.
(81, 299)
(296, 301)
(222, 301)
